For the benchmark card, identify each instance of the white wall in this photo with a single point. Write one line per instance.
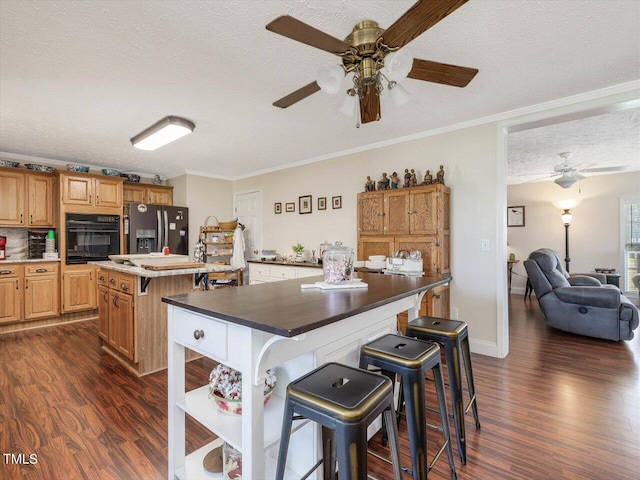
(204, 196)
(594, 234)
(469, 158)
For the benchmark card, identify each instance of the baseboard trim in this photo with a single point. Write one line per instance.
(484, 348)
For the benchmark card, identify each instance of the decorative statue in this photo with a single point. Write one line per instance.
(428, 178)
(395, 180)
(370, 185)
(383, 183)
(413, 181)
(440, 175)
(407, 178)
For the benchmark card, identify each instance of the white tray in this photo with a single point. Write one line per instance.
(335, 286)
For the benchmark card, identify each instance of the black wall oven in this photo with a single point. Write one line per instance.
(91, 238)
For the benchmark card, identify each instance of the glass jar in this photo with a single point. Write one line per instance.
(337, 264)
(231, 462)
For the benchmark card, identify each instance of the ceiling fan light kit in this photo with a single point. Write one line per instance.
(568, 179)
(162, 132)
(374, 55)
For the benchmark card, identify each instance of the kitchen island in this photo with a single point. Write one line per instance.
(132, 324)
(279, 326)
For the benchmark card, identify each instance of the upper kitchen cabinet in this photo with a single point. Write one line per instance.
(407, 211)
(27, 199)
(152, 194)
(91, 190)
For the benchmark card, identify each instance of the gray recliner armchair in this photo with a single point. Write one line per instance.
(579, 304)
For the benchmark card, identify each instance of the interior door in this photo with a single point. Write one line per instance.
(248, 208)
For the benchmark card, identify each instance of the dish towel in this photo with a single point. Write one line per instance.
(237, 260)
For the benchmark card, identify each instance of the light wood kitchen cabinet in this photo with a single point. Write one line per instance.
(29, 292)
(79, 289)
(41, 290)
(414, 218)
(40, 200)
(152, 194)
(91, 190)
(11, 293)
(116, 313)
(27, 199)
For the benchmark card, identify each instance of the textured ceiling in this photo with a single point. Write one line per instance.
(79, 78)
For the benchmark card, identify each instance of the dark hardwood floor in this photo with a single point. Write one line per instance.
(559, 406)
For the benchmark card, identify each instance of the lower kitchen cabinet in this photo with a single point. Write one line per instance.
(79, 289)
(29, 292)
(116, 312)
(268, 272)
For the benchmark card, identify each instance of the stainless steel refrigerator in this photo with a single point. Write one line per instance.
(148, 228)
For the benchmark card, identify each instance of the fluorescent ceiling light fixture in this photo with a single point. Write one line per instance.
(162, 132)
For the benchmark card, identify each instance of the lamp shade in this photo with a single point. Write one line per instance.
(162, 132)
(566, 217)
(398, 64)
(399, 94)
(348, 104)
(567, 180)
(330, 79)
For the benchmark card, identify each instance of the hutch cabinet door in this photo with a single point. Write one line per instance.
(12, 198)
(371, 214)
(159, 195)
(40, 201)
(423, 208)
(428, 249)
(396, 213)
(133, 194)
(368, 246)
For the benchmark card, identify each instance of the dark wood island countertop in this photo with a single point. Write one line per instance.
(284, 309)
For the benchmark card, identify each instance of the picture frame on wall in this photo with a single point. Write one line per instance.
(322, 203)
(515, 216)
(304, 204)
(289, 207)
(277, 208)
(336, 202)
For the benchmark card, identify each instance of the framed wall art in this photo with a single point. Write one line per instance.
(290, 207)
(336, 202)
(304, 204)
(515, 216)
(322, 203)
(277, 208)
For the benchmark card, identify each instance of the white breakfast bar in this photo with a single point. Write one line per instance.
(279, 326)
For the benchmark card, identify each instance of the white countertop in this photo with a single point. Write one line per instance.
(143, 272)
(27, 260)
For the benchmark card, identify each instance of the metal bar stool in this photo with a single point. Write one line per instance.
(411, 359)
(453, 337)
(344, 400)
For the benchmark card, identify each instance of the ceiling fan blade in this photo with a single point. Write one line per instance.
(620, 168)
(417, 20)
(296, 96)
(443, 73)
(370, 105)
(289, 27)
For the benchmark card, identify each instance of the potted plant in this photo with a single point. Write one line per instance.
(298, 250)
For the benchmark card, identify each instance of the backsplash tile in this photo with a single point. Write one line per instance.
(17, 243)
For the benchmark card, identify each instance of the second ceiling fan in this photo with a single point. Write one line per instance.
(369, 49)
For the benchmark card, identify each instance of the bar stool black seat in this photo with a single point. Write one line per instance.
(344, 400)
(454, 338)
(411, 359)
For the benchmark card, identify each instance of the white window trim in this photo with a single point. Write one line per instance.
(623, 252)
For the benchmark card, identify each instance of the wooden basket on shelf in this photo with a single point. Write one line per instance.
(219, 225)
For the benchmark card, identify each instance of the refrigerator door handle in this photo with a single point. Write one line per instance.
(159, 232)
(166, 228)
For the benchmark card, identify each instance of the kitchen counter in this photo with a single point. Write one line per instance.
(143, 272)
(28, 260)
(272, 326)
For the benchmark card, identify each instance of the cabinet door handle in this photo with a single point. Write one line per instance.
(381, 214)
(436, 296)
(31, 218)
(17, 284)
(106, 294)
(5, 272)
(101, 277)
(198, 334)
(115, 301)
(41, 270)
(26, 284)
(112, 281)
(20, 218)
(123, 287)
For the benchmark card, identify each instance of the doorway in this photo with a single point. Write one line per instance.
(248, 210)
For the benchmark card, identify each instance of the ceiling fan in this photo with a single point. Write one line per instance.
(373, 55)
(569, 174)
